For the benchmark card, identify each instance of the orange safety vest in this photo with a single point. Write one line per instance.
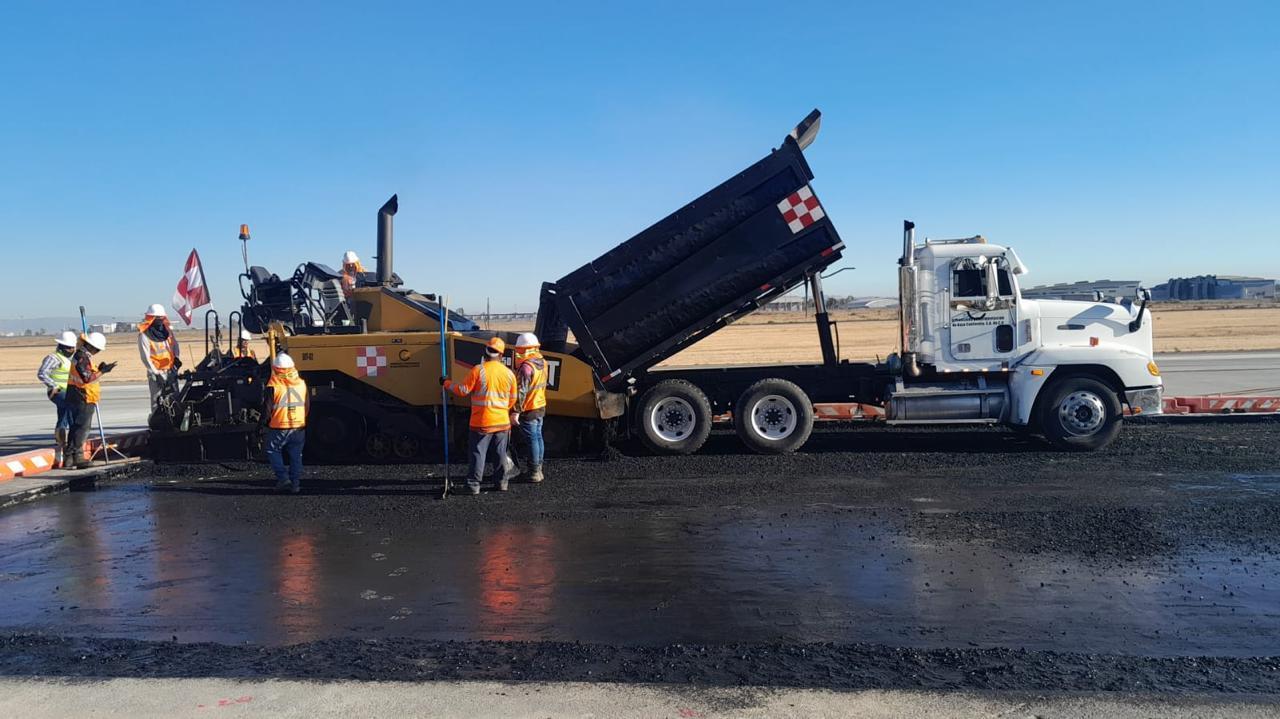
(237, 353)
(288, 400)
(492, 388)
(92, 392)
(536, 397)
(160, 353)
(349, 278)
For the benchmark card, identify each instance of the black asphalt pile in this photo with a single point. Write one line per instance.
(835, 666)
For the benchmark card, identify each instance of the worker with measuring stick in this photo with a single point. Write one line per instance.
(492, 389)
(83, 393)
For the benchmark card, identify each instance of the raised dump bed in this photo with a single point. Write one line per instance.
(751, 238)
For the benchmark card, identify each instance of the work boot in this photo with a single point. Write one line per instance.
(504, 484)
(295, 488)
(57, 457)
(536, 475)
(473, 490)
(83, 463)
(282, 485)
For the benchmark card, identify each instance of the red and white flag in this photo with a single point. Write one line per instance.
(192, 293)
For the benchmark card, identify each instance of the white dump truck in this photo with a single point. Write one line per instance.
(973, 350)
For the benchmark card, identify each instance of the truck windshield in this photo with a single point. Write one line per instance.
(973, 283)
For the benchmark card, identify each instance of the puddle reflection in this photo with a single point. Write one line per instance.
(156, 566)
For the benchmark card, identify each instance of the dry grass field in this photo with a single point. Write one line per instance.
(764, 338)
(20, 356)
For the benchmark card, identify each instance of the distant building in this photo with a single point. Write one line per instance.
(1087, 290)
(1215, 287)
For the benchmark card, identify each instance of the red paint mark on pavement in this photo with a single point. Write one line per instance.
(228, 702)
(689, 714)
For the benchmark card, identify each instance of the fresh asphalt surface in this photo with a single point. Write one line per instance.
(970, 560)
(888, 565)
(25, 411)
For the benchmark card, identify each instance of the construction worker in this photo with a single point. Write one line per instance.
(492, 389)
(158, 347)
(287, 404)
(351, 269)
(83, 394)
(531, 399)
(53, 374)
(242, 348)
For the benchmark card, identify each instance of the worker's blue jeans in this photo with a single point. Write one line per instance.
(531, 430)
(65, 415)
(280, 442)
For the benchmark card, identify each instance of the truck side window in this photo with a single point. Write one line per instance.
(1006, 287)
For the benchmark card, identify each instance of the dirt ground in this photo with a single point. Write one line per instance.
(20, 356)
(768, 338)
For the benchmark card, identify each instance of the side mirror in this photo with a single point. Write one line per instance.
(1143, 294)
(993, 284)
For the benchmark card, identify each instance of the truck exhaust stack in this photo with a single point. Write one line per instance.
(386, 232)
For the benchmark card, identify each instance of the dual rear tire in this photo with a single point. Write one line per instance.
(772, 416)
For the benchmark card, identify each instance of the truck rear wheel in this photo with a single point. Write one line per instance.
(773, 416)
(1080, 413)
(674, 417)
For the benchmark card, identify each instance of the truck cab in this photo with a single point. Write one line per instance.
(976, 351)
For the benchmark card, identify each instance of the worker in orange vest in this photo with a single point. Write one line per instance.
(242, 348)
(351, 270)
(492, 389)
(287, 404)
(531, 399)
(83, 393)
(161, 356)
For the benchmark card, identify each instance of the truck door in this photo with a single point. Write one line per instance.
(982, 324)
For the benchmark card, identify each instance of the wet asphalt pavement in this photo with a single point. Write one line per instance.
(878, 558)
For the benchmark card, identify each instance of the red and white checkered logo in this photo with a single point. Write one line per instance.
(801, 209)
(371, 360)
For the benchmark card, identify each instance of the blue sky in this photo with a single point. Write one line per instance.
(1101, 139)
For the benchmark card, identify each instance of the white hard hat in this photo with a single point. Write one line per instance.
(245, 335)
(67, 338)
(527, 339)
(349, 258)
(156, 310)
(96, 340)
(282, 361)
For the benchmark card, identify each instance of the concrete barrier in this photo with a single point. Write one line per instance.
(37, 461)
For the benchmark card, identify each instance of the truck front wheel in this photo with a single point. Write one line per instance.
(773, 416)
(1080, 413)
(674, 417)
